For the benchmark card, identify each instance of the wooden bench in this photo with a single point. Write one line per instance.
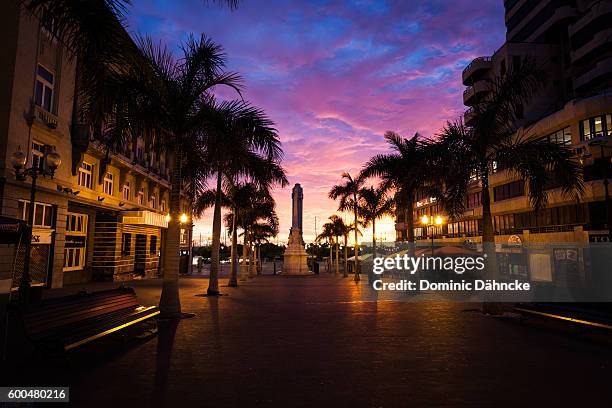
(65, 323)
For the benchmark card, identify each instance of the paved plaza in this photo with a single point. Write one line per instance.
(314, 341)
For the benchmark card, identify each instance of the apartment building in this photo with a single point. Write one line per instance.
(101, 217)
(572, 40)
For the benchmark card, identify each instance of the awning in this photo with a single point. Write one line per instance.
(144, 218)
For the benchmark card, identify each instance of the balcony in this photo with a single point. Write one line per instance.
(593, 46)
(473, 93)
(469, 116)
(478, 65)
(599, 9)
(599, 72)
(44, 117)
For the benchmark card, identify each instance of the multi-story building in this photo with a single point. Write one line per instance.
(101, 217)
(572, 41)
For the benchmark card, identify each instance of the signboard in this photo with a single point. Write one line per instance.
(42, 236)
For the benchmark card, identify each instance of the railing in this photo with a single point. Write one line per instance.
(45, 117)
(476, 60)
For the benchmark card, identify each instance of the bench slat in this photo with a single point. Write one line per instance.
(75, 320)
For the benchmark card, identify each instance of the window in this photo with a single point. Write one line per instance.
(140, 197)
(509, 190)
(125, 192)
(162, 206)
(504, 224)
(43, 213)
(76, 224)
(152, 201)
(597, 126)
(153, 245)
(76, 241)
(43, 96)
(108, 184)
(126, 244)
(474, 200)
(563, 136)
(38, 155)
(183, 237)
(85, 175)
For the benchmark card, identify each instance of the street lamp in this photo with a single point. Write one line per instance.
(51, 162)
(432, 221)
(184, 218)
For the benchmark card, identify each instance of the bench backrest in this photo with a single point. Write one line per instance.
(51, 314)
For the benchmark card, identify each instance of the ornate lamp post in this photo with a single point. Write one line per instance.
(432, 221)
(18, 160)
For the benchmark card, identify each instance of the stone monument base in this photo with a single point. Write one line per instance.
(295, 259)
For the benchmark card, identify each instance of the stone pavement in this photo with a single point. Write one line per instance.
(313, 341)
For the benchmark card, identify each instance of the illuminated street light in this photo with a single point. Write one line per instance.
(433, 221)
(47, 167)
(184, 218)
(168, 218)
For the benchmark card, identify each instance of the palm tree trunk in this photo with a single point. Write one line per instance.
(488, 233)
(233, 280)
(356, 247)
(374, 237)
(488, 245)
(169, 302)
(409, 220)
(331, 258)
(337, 255)
(213, 283)
(244, 273)
(254, 260)
(345, 272)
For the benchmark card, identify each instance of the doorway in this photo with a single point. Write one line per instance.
(140, 255)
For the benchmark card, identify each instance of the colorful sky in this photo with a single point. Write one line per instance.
(335, 75)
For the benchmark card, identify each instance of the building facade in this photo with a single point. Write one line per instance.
(101, 217)
(572, 40)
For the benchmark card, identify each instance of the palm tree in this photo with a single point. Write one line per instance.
(253, 210)
(374, 204)
(171, 98)
(261, 232)
(241, 142)
(404, 171)
(341, 230)
(327, 233)
(469, 152)
(347, 193)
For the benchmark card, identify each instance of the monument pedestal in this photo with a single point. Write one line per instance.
(296, 259)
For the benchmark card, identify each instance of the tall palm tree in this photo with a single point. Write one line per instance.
(253, 210)
(341, 230)
(241, 142)
(347, 193)
(328, 234)
(467, 152)
(172, 98)
(405, 171)
(374, 204)
(261, 232)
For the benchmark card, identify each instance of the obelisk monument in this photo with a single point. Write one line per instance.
(295, 260)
